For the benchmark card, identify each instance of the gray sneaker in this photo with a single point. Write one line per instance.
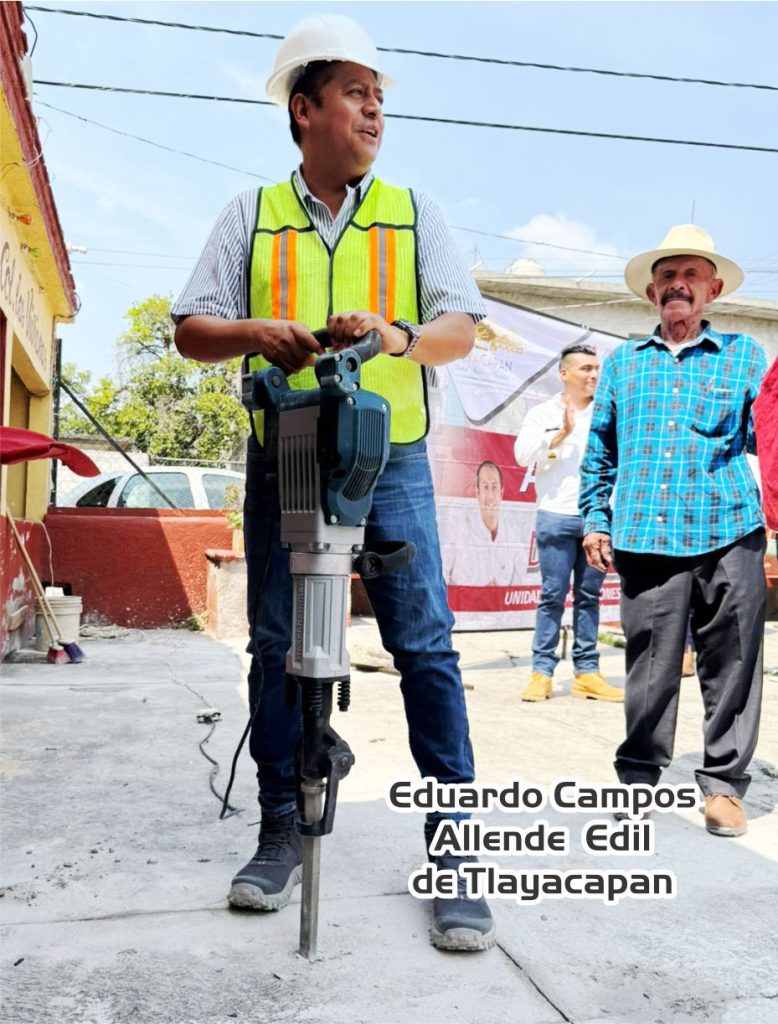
(462, 923)
(267, 881)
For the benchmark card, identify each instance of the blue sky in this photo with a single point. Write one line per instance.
(615, 197)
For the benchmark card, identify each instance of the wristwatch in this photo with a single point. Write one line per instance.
(414, 333)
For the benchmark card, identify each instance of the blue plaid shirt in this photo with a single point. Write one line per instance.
(668, 439)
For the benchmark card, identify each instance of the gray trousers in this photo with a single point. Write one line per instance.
(724, 590)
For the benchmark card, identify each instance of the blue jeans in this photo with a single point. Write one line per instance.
(561, 556)
(411, 611)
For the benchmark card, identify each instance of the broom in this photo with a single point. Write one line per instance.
(70, 648)
(56, 654)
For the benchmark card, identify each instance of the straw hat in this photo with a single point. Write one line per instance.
(682, 240)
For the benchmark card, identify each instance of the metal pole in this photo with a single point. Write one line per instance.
(55, 424)
(118, 447)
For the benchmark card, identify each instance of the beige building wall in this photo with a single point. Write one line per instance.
(612, 308)
(29, 341)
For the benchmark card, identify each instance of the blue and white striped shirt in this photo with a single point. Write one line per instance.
(669, 437)
(218, 285)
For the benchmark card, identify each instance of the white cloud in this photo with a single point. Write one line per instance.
(110, 194)
(252, 84)
(596, 255)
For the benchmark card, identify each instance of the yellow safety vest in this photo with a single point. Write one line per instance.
(293, 275)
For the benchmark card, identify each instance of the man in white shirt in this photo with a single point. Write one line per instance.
(483, 552)
(553, 436)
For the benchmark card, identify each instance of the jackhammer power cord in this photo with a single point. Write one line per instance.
(249, 724)
(235, 757)
(215, 769)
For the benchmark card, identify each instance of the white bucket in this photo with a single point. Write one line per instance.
(67, 611)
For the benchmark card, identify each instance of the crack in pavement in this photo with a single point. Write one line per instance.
(207, 909)
(534, 984)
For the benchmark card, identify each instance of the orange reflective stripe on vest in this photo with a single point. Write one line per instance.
(283, 276)
(383, 271)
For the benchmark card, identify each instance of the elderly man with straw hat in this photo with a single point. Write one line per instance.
(671, 427)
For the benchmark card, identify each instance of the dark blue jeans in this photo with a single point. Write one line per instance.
(411, 611)
(561, 556)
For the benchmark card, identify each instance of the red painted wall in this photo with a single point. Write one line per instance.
(143, 568)
(15, 587)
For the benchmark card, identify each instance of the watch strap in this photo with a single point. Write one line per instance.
(414, 334)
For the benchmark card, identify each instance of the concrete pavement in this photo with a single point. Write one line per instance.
(115, 865)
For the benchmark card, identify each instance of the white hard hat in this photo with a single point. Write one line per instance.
(329, 37)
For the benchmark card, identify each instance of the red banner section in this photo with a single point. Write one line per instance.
(502, 599)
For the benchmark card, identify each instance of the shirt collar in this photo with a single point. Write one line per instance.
(706, 334)
(352, 191)
(560, 401)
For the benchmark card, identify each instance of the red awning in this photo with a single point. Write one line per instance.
(18, 445)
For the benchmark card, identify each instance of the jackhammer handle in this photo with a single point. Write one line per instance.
(366, 348)
(384, 556)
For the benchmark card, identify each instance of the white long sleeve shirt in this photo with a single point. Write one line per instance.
(556, 469)
(473, 558)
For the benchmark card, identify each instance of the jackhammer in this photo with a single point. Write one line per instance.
(330, 445)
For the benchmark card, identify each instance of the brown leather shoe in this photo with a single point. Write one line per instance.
(688, 663)
(724, 815)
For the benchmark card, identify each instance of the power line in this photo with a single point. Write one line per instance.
(181, 152)
(584, 134)
(160, 92)
(421, 117)
(533, 241)
(420, 53)
(150, 142)
(136, 266)
(131, 241)
(133, 252)
(113, 280)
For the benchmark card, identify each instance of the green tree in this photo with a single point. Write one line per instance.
(168, 406)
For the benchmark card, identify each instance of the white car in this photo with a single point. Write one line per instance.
(185, 486)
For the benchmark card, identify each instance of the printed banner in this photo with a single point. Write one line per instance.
(478, 405)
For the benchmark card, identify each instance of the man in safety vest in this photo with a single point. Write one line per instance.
(336, 247)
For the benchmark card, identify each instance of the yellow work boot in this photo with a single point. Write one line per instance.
(538, 688)
(593, 686)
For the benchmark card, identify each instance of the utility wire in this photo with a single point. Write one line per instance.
(157, 92)
(418, 53)
(137, 266)
(526, 241)
(532, 241)
(421, 117)
(150, 142)
(181, 152)
(133, 252)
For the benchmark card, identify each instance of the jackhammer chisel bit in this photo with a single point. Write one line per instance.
(313, 793)
(323, 759)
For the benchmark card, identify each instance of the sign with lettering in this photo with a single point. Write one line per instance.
(22, 299)
(486, 503)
